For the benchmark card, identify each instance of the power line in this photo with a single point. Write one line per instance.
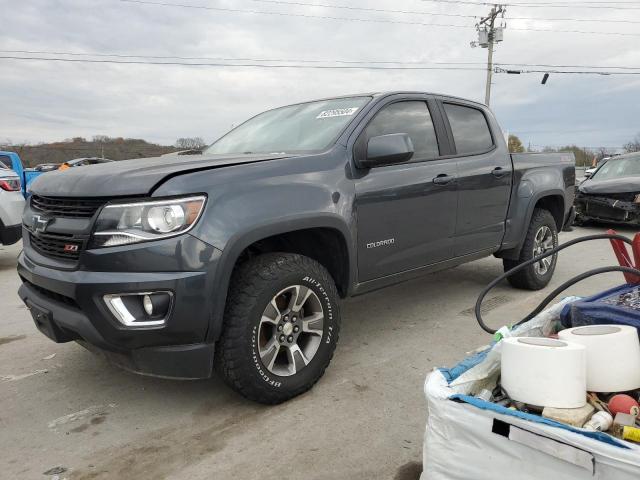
(246, 65)
(312, 61)
(566, 66)
(289, 14)
(552, 30)
(365, 9)
(356, 19)
(574, 72)
(420, 12)
(227, 59)
(598, 20)
(299, 66)
(601, 5)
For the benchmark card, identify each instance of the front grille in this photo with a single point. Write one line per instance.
(605, 212)
(66, 207)
(56, 245)
(623, 197)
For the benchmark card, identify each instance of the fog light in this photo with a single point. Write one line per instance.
(148, 305)
(144, 309)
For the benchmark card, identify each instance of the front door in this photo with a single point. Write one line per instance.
(406, 213)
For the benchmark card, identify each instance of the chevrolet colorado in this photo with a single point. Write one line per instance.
(237, 258)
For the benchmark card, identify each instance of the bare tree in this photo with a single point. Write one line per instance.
(190, 143)
(633, 145)
(601, 153)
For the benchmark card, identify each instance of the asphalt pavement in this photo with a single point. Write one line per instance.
(66, 412)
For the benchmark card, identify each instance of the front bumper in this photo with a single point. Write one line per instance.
(607, 209)
(68, 305)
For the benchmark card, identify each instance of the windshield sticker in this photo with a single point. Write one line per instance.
(338, 112)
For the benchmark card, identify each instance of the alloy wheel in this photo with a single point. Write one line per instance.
(543, 242)
(290, 330)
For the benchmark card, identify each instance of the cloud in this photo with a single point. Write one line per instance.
(45, 101)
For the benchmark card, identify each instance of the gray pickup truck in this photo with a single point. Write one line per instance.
(236, 259)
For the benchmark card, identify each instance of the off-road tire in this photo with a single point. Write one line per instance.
(528, 278)
(253, 284)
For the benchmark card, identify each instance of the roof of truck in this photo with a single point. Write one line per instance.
(395, 92)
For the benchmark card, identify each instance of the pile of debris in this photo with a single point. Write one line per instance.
(542, 399)
(587, 377)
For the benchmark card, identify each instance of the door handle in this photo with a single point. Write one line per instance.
(443, 179)
(499, 172)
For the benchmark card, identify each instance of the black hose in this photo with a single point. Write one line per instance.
(564, 286)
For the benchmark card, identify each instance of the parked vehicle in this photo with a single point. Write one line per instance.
(237, 258)
(612, 193)
(81, 162)
(591, 170)
(12, 161)
(46, 167)
(11, 206)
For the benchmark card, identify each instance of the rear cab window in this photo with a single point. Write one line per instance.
(411, 117)
(470, 129)
(5, 162)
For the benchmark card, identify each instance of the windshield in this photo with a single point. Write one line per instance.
(293, 129)
(615, 168)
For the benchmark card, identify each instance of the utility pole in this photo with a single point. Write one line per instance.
(488, 36)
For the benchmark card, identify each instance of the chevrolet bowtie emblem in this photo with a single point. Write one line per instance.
(40, 224)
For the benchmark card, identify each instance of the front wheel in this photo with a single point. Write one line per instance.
(542, 236)
(281, 327)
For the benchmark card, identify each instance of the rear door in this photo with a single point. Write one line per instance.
(405, 219)
(484, 176)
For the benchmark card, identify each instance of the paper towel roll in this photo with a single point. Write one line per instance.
(613, 356)
(544, 372)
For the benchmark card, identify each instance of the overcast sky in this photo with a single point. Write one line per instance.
(48, 101)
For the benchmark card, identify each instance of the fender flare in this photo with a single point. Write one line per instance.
(514, 253)
(241, 240)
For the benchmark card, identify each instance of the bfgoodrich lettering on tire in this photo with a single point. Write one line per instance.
(282, 321)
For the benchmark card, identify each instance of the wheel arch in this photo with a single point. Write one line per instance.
(553, 201)
(326, 239)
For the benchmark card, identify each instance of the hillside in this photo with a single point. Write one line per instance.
(113, 148)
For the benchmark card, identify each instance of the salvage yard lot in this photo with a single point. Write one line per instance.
(61, 406)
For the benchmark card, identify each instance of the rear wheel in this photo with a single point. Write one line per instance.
(281, 327)
(542, 236)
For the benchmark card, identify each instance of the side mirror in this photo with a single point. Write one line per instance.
(387, 150)
(587, 174)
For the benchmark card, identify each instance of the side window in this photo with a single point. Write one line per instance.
(412, 118)
(470, 130)
(5, 161)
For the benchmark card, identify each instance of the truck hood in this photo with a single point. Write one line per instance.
(132, 177)
(614, 185)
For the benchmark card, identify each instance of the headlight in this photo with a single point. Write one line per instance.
(133, 222)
